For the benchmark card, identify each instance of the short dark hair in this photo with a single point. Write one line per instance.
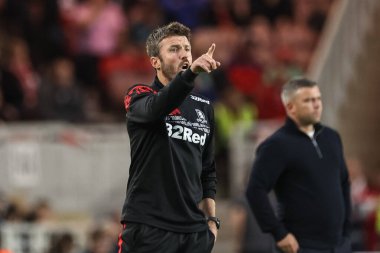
(293, 85)
(172, 29)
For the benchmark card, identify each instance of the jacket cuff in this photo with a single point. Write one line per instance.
(188, 75)
(279, 233)
(209, 194)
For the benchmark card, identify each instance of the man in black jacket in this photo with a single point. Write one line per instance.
(303, 162)
(170, 204)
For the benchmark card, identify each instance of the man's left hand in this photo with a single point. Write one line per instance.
(213, 229)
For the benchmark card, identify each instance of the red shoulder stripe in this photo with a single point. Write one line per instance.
(175, 112)
(139, 89)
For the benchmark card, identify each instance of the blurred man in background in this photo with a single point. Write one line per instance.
(303, 162)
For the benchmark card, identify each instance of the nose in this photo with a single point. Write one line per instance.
(183, 55)
(317, 104)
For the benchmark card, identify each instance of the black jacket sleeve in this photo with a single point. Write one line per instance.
(208, 175)
(144, 105)
(267, 168)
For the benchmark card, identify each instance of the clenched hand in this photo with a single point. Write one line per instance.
(289, 244)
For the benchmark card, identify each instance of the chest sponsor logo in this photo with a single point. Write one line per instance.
(201, 117)
(184, 133)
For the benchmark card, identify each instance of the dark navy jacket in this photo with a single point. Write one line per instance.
(172, 162)
(310, 179)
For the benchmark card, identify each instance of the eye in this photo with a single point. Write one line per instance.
(307, 100)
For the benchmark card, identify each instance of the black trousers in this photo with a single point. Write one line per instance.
(142, 238)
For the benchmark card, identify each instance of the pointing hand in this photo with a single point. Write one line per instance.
(206, 62)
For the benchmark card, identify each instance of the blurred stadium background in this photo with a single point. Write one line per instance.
(64, 68)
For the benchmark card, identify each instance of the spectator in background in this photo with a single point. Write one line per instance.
(20, 65)
(99, 242)
(252, 70)
(93, 29)
(260, 35)
(118, 71)
(143, 17)
(272, 9)
(216, 14)
(62, 243)
(228, 41)
(41, 212)
(15, 211)
(231, 110)
(303, 9)
(240, 12)
(317, 19)
(97, 26)
(311, 13)
(246, 70)
(293, 47)
(12, 13)
(111, 226)
(3, 206)
(232, 113)
(61, 97)
(367, 206)
(304, 41)
(42, 31)
(283, 39)
(11, 96)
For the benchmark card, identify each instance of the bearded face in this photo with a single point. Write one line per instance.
(175, 56)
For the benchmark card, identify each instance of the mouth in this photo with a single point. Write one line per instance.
(185, 66)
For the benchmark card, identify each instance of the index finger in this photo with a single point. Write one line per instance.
(211, 50)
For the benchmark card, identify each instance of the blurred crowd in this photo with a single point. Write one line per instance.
(73, 60)
(101, 236)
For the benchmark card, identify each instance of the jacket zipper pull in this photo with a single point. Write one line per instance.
(316, 146)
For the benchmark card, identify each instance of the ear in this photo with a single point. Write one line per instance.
(155, 61)
(289, 107)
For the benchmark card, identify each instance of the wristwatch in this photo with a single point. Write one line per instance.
(216, 220)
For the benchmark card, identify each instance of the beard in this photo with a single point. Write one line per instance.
(169, 71)
(309, 120)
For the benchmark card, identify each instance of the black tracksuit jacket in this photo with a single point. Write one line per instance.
(172, 162)
(310, 179)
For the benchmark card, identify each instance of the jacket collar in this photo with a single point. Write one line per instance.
(291, 125)
(157, 85)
